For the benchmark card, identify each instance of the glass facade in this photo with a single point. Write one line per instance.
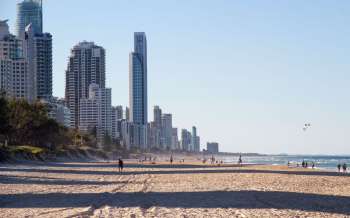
(29, 11)
(138, 80)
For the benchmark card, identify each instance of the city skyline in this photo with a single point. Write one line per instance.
(270, 99)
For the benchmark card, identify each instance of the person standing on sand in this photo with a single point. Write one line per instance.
(120, 165)
(344, 167)
(171, 159)
(240, 160)
(339, 166)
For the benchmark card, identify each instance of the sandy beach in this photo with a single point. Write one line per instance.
(162, 190)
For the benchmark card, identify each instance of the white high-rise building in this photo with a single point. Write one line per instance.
(167, 128)
(86, 66)
(13, 65)
(95, 112)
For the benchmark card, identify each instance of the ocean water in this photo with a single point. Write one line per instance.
(321, 162)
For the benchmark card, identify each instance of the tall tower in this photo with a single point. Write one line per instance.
(86, 65)
(38, 47)
(29, 12)
(138, 80)
(157, 116)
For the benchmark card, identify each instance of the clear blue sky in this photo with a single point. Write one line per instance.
(248, 74)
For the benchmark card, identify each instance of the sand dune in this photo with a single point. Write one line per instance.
(191, 190)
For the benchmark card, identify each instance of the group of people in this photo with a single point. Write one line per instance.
(305, 164)
(344, 167)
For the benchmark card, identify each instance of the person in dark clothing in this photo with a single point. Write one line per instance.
(240, 160)
(120, 165)
(344, 167)
(339, 166)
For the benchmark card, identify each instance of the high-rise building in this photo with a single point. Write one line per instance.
(185, 140)
(195, 142)
(86, 65)
(13, 66)
(38, 48)
(43, 65)
(117, 115)
(138, 80)
(174, 139)
(29, 12)
(157, 116)
(58, 111)
(167, 128)
(95, 112)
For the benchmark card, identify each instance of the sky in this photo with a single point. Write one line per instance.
(249, 74)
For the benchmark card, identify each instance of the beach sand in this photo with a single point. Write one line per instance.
(182, 190)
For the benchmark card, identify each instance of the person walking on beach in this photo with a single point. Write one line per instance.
(344, 167)
(171, 159)
(240, 160)
(339, 166)
(120, 165)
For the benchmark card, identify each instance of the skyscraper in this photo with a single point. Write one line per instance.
(29, 12)
(86, 66)
(185, 140)
(95, 112)
(138, 80)
(38, 47)
(195, 141)
(167, 130)
(157, 116)
(13, 65)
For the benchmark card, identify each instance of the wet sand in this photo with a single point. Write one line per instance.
(162, 190)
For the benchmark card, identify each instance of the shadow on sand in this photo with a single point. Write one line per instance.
(28, 180)
(215, 199)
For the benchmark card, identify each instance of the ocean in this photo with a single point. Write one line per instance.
(321, 161)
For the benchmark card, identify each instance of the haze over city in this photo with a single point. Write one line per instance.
(248, 74)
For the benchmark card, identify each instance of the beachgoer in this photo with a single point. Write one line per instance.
(313, 165)
(171, 159)
(240, 160)
(306, 164)
(344, 167)
(120, 165)
(303, 164)
(339, 166)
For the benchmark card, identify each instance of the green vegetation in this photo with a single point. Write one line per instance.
(26, 129)
(22, 123)
(26, 149)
